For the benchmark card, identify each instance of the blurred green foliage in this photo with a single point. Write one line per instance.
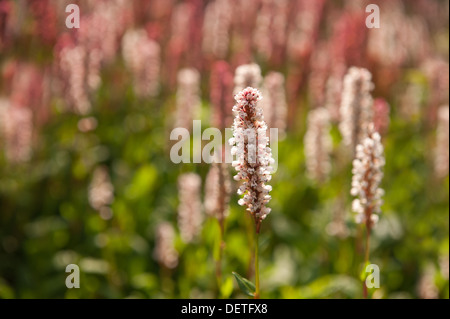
(46, 221)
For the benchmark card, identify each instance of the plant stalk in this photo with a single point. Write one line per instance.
(220, 257)
(366, 258)
(257, 265)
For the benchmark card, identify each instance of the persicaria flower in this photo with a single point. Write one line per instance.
(165, 252)
(216, 28)
(217, 190)
(274, 103)
(87, 124)
(18, 132)
(188, 97)
(253, 156)
(319, 74)
(101, 190)
(318, 144)
(333, 92)
(348, 37)
(269, 36)
(45, 19)
(426, 287)
(221, 87)
(338, 227)
(357, 106)
(73, 67)
(27, 86)
(190, 216)
(109, 19)
(438, 83)
(181, 19)
(303, 30)
(247, 75)
(367, 176)
(142, 56)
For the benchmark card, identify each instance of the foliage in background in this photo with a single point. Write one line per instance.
(47, 220)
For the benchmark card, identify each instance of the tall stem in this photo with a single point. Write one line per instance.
(366, 258)
(220, 257)
(251, 243)
(257, 265)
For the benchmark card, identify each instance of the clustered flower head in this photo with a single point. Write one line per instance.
(426, 288)
(438, 80)
(333, 96)
(442, 141)
(165, 252)
(303, 32)
(73, 67)
(218, 190)
(87, 124)
(338, 227)
(101, 192)
(216, 28)
(221, 87)
(367, 175)
(27, 87)
(188, 97)
(253, 156)
(142, 56)
(404, 40)
(17, 127)
(274, 103)
(109, 20)
(320, 71)
(180, 21)
(45, 18)
(247, 75)
(190, 216)
(356, 106)
(318, 144)
(270, 34)
(82, 54)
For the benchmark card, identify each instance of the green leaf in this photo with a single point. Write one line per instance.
(246, 286)
(227, 288)
(328, 286)
(143, 182)
(6, 291)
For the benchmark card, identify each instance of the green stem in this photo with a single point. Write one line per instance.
(220, 257)
(251, 244)
(366, 258)
(257, 266)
